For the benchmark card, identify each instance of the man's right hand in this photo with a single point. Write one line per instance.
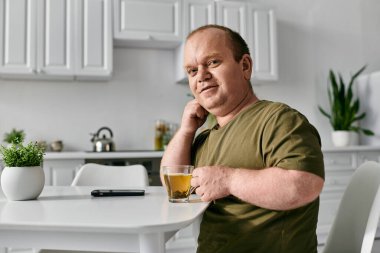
(194, 115)
(179, 148)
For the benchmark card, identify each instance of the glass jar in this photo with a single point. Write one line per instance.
(160, 129)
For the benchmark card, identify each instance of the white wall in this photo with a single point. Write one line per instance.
(142, 90)
(313, 36)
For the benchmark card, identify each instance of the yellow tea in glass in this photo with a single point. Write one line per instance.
(177, 181)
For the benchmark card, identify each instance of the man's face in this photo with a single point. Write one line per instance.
(218, 82)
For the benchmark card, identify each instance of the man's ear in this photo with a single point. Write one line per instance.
(246, 63)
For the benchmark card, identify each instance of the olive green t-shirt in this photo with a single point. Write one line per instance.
(266, 134)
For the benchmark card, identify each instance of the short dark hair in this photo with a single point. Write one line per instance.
(238, 45)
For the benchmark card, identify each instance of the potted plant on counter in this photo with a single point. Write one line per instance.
(344, 110)
(14, 136)
(23, 177)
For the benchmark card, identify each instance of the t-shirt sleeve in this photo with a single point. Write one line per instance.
(289, 141)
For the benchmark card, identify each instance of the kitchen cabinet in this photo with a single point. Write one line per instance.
(255, 23)
(61, 171)
(36, 37)
(149, 23)
(61, 167)
(233, 15)
(45, 39)
(17, 36)
(340, 164)
(94, 39)
(196, 13)
(262, 39)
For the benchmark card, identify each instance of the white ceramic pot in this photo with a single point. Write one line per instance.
(345, 138)
(22, 183)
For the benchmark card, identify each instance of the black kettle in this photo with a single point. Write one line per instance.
(103, 143)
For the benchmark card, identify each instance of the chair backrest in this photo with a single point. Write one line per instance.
(357, 217)
(92, 174)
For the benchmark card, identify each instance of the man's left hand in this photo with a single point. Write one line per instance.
(212, 182)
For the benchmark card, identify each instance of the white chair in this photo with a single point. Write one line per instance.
(92, 174)
(355, 224)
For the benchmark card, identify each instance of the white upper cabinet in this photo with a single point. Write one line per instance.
(148, 22)
(263, 43)
(55, 31)
(256, 24)
(196, 13)
(51, 39)
(233, 15)
(18, 36)
(36, 38)
(94, 43)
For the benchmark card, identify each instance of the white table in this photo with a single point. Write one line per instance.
(69, 218)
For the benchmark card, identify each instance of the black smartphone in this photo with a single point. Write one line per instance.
(117, 192)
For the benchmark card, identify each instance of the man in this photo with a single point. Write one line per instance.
(261, 165)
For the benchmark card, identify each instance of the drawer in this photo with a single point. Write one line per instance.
(368, 156)
(339, 161)
(338, 177)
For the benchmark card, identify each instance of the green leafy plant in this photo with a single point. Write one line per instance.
(344, 107)
(18, 155)
(14, 136)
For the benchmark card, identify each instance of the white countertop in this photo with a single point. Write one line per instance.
(104, 155)
(159, 154)
(351, 148)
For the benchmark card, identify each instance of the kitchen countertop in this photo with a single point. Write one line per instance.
(104, 155)
(351, 148)
(123, 154)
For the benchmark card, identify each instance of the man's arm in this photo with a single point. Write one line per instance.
(178, 151)
(271, 188)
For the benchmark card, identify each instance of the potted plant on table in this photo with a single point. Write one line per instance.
(23, 177)
(344, 110)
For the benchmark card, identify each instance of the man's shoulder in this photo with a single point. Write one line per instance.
(270, 108)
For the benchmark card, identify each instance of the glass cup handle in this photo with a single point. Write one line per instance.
(192, 189)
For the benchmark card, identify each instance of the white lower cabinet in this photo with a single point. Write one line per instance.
(61, 171)
(340, 164)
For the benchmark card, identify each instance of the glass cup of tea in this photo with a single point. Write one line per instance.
(177, 181)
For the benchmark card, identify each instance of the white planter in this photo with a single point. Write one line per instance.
(22, 183)
(345, 138)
